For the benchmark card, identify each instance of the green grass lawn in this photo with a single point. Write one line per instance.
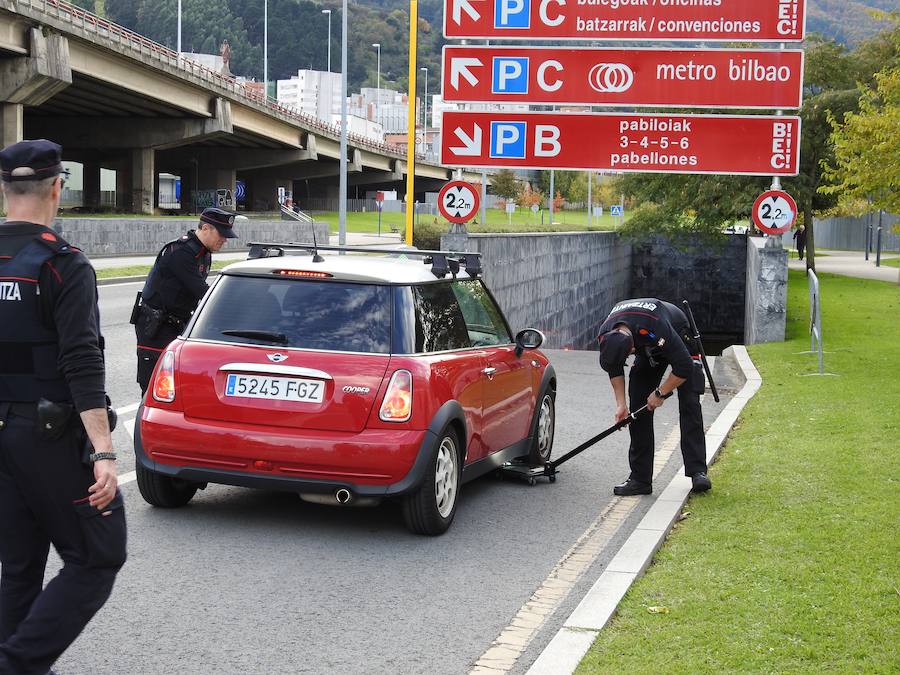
(792, 562)
(496, 219)
(890, 262)
(143, 270)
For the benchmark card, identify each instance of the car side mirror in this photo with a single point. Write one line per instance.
(530, 338)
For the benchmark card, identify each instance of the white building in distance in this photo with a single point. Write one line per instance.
(312, 92)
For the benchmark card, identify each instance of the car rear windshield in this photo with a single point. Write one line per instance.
(305, 314)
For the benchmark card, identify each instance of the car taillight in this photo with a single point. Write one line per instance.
(397, 405)
(164, 384)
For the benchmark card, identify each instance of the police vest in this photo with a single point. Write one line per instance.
(162, 290)
(28, 349)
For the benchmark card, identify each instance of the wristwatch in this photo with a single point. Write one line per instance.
(659, 394)
(97, 456)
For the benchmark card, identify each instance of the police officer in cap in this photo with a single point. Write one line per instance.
(175, 286)
(57, 466)
(658, 334)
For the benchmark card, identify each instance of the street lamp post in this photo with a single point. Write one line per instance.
(425, 111)
(342, 189)
(377, 46)
(266, 50)
(179, 30)
(328, 12)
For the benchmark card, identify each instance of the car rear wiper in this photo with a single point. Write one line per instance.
(265, 335)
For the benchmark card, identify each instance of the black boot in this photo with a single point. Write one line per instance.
(701, 482)
(632, 487)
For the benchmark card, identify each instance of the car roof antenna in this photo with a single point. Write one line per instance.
(316, 257)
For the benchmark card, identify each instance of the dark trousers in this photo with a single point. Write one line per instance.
(149, 349)
(800, 248)
(43, 490)
(643, 379)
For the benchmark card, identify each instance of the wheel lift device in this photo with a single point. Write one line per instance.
(524, 471)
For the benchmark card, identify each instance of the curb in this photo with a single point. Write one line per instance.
(565, 651)
(112, 281)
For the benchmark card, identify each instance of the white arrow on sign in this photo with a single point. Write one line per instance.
(460, 66)
(471, 145)
(460, 6)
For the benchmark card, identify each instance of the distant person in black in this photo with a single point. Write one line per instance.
(54, 487)
(800, 237)
(658, 333)
(175, 286)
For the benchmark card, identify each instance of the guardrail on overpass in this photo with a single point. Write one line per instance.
(103, 31)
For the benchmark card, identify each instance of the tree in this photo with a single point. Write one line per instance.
(505, 184)
(866, 162)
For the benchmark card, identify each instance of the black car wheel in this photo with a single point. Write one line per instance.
(430, 509)
(164, 491)
(544, 430)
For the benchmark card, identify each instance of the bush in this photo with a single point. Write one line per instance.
(427, 236)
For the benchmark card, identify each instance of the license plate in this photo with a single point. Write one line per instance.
(274, 388)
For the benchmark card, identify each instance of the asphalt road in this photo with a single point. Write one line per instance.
(245, 581)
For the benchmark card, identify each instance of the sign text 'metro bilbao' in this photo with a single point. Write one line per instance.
(707, 78)
(759, 145)
(682, 20)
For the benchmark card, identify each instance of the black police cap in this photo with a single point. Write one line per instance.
(30, 160)
(222, 220)
(615, 347)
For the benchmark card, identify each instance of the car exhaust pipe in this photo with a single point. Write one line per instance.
(342, 496)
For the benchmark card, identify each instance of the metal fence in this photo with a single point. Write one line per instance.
(852, 234)
(815, 320)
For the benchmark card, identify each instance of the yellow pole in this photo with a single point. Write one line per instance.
(411, 122)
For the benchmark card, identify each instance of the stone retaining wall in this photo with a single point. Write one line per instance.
(563, 284)
(145, 236)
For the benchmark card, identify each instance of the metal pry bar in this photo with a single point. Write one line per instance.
(696, 332)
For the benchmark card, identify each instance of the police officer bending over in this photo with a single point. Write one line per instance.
(658, 333)
(174, 288)
(55, 486)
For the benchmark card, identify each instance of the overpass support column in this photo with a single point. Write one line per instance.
(11, 129)
(212, 179)
(91, 185)
(143, 180)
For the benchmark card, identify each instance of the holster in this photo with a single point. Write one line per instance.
(150, 320)
(136, 310)
(53, 419)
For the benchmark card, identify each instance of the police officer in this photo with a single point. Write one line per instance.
(658, 333)
(57, 466)
(175, 286)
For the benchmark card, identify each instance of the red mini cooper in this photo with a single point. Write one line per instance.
(347, 379)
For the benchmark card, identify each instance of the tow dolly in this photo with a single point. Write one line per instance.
(524, 471)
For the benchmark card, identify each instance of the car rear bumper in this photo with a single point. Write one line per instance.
(374, 462)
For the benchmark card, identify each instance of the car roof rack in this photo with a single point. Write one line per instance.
(442, 262)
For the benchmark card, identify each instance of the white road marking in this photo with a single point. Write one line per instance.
(124, 410)
(126, 478)
(129, 477)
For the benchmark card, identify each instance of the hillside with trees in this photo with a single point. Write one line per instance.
(298, 32)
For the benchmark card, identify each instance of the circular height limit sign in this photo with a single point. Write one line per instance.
(458, 201)
(775, 212)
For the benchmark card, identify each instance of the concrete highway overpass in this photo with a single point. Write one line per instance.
(116, 100)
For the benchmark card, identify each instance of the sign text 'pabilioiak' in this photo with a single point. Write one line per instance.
(719, 144)
(686, 20)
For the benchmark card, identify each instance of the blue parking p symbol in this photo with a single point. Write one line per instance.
(510, 75)
(512, 13)
(508, 140)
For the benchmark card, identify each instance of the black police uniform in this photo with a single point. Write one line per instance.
(175, 286)
(662, 337)
(51, 349)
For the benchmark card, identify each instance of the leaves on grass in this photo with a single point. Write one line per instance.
(658, 610)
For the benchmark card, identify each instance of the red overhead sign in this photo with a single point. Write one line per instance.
(724, 144)
(690, 20)
(695, 78)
